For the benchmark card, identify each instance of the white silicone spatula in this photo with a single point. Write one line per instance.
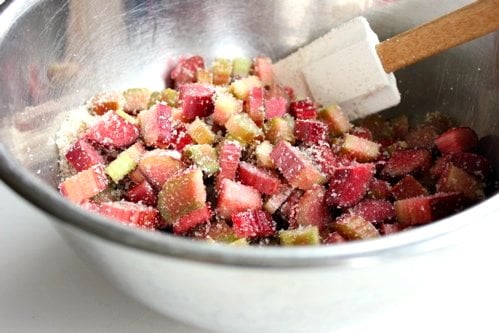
(350, 67)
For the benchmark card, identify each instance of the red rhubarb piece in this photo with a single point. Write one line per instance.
(136, 176)
(131, 213)
(288, 209)
(112, 131)
(229, 155)
(455, 179)
(196, 100)
(456, 140)
(295, 166)
(374, 211)
(180, 137)
(254, 105)
(159, 165)
(333, 238)
(407, 161)
(186, 69)
(85, 184)
(253, 223)
(275, 201)
(348, 185)
(303, 109)
(390, 228)
(191, 220)
(142, 193)
(474, 164)
(311, 131)
(422, 137)
(235, 197)
(258, 178)
(312, 208)
(156, 125)
(263, 69)
(82, 155)
(440, 165)
(275, 106)
(324, 157)
(379, 189)
(408, 187)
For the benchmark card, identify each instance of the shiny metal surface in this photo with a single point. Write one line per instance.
(56, 54)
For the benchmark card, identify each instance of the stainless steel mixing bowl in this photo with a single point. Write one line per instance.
(55, 54)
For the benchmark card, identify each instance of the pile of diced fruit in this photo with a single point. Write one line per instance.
(228, 155)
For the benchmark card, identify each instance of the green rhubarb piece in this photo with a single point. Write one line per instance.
(361, 149)
(222, 69)
(136, 99)
(127, 117)
(241, 127)
(204, 156)
(280, 128)
(262, 152)
(125, 163)
(169, 96)
(204, 76)
(241, 242)
(201, 132)
(225, 106)
(240, 88)
(335, 119)
(308, 235)
(241, 67)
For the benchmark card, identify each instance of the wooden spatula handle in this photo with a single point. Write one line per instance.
(458, 27)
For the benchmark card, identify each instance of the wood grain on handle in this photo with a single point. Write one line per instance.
(458, 27)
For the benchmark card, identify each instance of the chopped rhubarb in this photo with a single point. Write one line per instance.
(278, 129)
(390, 228)
(374, 211)
(241, 88)
(112, 131)
(324, 157)
(182, 194)
(422, 137)
(225, 106)
(408, 187)
(132, 213)
(355, 227)
(85, 184)
(333, 238)
(422, 210)
(335, 119)
(289, 207)
(361, 132)
(159, 165)
(253, 223)
(275, 201)
(185, 71)
(180, 138)
(156, 126)
(136, 176)
(263, 69)
(229, 155)
(258, 178)
(136, 99)
(474, 164)
(379, 189)
(254, 105)
(362, 150)
(400, 126)
(455, 179)
(312, 208)
(235, 197)
(275, 107)
(191, 220)
(379, 126)
(262, 152)
(307, 235)
(204, 157)
(405, 162)
(295, 166)
(241, 67)
(303, 109)
(204, 76)
(101, 103)
(196, 100)
(168, 96)
(126, 162)
(82, 155)
(349, 184)
(142, 193)
(242, 128)
(311, 131)
(201, 132)
(457, 140)
(222, 70)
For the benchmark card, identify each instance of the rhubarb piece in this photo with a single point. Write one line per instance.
(191, 220)
(307, 235)
(379, 189)
(263, 69)
(204, 76)
(275, 201)
(142, 193)
(186, 69)
(200, 132)
(324, 157)
(225, 106)
(156, 126)
(379, 127)
(422, 137)
(275, 107)
(400, 126)
(101, 103)
(82, 155)
(204, 157)
(303, 109)
(405, 162)
(242, 128)
(454, 179)
(112, 131)
(168, 96)
(440, 165)
(241, 88)
(125, 163)
(334, 238)
(85, 184)
(253, 223)
(222, 70)
(109, 194)
(390, 228)
(241, 242)
(362, 150)
(361, 132)
(457, 140)
(260, 179)
(311, 131)
(355, 227)
(335, 119)
(196, 100)
(180, 137)
(388, 151)
(426, 209)
(349, 184)
(229, 155)
(131, 119)
(159, 165)
(289, 207)
(278, 129)
(439, 121)
(254, 105)
(235, 197)
(474, 164)
(374, 211)
(262, 152)
(136, 99)
(241, 67)
(408, 187)
(295, 166)
(312, 208)
(182, 194)
(131, 213)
